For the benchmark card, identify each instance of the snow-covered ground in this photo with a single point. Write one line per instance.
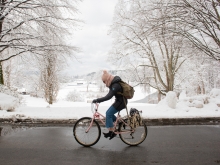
(37, 108)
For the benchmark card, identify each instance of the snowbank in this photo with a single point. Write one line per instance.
(170, 107)
(189, 107)
(9, 99)
(8, 102)
(215, 96)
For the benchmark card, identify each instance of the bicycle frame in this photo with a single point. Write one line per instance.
(100, 117)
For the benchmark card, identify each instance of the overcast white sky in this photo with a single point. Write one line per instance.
(93, 38)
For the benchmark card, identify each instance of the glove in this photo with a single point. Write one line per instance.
(95, 101)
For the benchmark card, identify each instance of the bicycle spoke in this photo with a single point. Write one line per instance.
(134, 138)
(85, 133)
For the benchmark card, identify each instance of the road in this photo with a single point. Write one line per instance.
(165, 145)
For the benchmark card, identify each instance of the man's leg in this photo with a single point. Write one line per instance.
(110, 118)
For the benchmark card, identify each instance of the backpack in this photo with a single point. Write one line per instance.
(128, 91)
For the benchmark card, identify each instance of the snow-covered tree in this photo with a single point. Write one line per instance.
(89, 79)
(49, 83)
(19, 27)
(199, 75)
(98, 79)
(199, 22)
(144, 45)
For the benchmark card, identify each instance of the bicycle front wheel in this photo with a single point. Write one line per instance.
(133, 138)
(84, 134)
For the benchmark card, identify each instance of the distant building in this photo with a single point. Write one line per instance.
(22, 91)
(93, 83)
(78, 82)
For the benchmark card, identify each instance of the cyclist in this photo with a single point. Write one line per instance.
(112, 83)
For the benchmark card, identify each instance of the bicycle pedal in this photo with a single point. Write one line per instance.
(117, 130)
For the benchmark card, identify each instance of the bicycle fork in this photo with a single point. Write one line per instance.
(90, 125)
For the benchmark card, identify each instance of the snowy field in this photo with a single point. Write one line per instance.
(37, 108)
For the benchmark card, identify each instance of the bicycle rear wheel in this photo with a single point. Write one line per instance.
(84, 138)
(135, 138)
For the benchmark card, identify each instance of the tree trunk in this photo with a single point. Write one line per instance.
(198, 91)
(1, 75)
(2, 2)
(88, 87)
(1, 131)
(159, 96)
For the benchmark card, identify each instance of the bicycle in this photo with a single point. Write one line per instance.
(87, 130)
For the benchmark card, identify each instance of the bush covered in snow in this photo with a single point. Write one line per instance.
(171, 99)
(74, 96)
(196, 101)
(199, 101)
(215, 96)
(215, 93)
(6, 90)
(9, 99)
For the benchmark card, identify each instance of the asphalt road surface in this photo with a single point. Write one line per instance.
(164, 145)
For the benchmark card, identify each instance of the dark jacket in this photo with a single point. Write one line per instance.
(113, 89)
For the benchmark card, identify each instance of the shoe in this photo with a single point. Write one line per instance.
(112, 135)
(106, 135)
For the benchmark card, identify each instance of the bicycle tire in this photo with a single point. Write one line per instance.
(84, 138)
(135, 138)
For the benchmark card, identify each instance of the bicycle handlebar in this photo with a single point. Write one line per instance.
(96, 107)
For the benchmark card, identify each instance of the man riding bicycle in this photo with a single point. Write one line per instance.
(112, 82)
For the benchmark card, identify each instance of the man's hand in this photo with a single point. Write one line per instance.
(95, 101)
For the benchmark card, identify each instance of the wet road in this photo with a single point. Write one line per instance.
(165, 145)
